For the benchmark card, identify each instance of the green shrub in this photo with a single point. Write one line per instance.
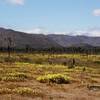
(54, 78)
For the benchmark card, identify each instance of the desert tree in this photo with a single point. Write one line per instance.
(72, 60)
(27, 48)
(9, 40)
(10, 44)
(1, 42)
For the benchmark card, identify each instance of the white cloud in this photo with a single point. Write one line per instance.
(95, 32)
(96, 12)
(65, 33)
(38, 30)
(16, 2)
(42, 30)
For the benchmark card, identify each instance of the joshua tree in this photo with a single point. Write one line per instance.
(1, 42)
(9, 45)
(72, 63)
(27, 48)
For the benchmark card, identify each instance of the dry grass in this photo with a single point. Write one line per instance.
(24, 74)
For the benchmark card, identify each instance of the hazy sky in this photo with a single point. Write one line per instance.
(59, 16)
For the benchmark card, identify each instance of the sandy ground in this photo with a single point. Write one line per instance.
(73, 91)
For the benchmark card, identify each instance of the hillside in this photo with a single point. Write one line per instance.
(67, 41)
(21, 40)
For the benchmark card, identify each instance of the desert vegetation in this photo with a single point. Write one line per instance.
(47, 76)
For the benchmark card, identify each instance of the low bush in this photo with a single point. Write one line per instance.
(54, 78)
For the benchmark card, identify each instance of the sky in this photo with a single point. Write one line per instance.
(73, 17)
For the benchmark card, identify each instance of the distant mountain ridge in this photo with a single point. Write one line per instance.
(67, 41)
(22, 39)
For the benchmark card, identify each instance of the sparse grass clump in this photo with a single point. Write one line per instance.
(27, 91)
(54, 78)
(5, 91)
(11, 59)
(18, 74)
(23, 90)
(12, 79)
(15, 77)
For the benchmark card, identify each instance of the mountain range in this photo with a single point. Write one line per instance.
(22, 39)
